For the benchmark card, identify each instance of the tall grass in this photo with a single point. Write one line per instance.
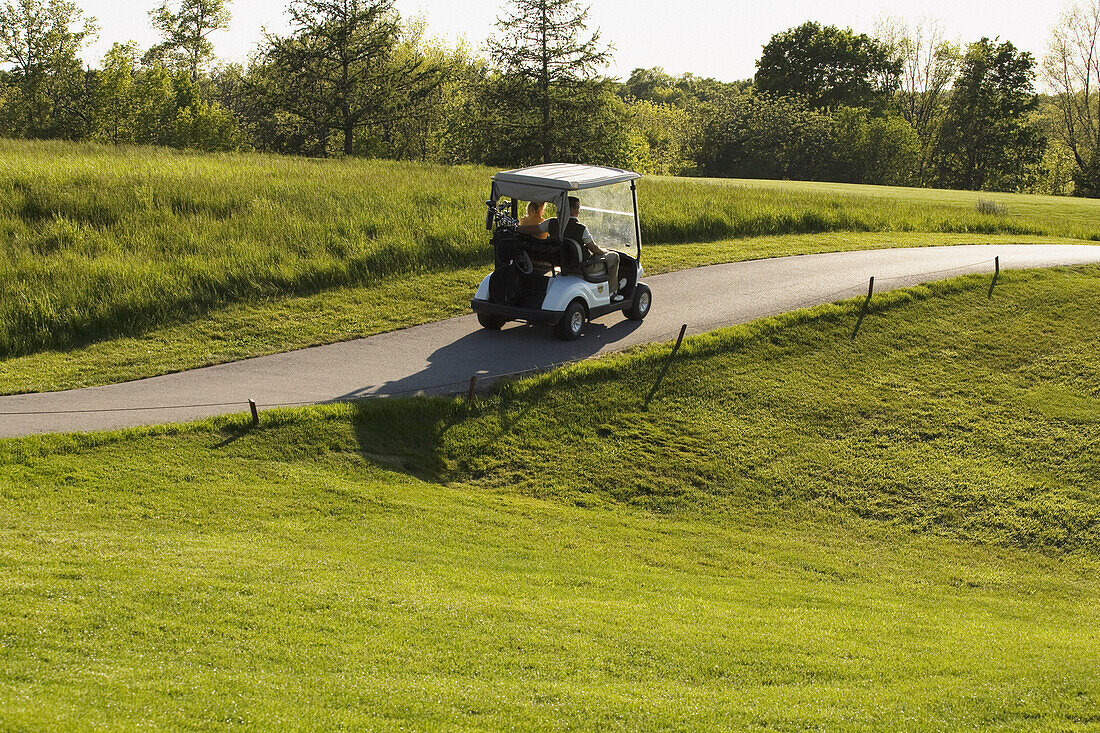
(98, 242)
(101, 241)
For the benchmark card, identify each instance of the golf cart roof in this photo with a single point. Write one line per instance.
(562, 177)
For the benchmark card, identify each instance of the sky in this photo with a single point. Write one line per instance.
(715, 38)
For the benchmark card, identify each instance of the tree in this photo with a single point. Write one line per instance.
(987, 140)
(169, 109)
(929, 64)
(114, 103)
(660, 138)
(881, 150)
(40, 42)
(761, 136)
(337, 70)
(548, 94)
(653, 85)
(1072, 69)
(827, 66)
(185, 26)
(157, 106)
(435, 129)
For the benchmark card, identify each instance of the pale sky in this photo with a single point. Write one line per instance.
(715, 38)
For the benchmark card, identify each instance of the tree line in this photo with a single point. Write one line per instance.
(903, 106)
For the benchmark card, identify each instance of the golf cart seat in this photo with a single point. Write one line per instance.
(573, 262)
(511, 246)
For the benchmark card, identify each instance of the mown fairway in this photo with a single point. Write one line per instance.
(125, 262)
(803, 531)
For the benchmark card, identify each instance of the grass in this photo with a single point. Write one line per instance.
(102, 243)
(279, 324)
(123, 263)
(933, 209)
(803, 532)
(691, 210)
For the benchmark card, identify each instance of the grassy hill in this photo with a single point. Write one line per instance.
(802, 532)
(124, 262)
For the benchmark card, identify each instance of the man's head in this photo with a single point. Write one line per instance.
(574, 206)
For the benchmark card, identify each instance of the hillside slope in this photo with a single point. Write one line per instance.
(803, 531)
(138, 261)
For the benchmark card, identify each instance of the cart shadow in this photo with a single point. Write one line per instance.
(405, 436)
(490, 355)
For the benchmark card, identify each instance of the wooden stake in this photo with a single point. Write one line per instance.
(255, 413)
(668, 362)
(996, 273)
(863, 310)
(473, 387)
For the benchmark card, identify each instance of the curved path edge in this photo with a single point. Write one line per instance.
(440, 357)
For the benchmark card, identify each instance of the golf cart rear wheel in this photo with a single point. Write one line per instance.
(490, 321)
(570, 325)
(643, 299)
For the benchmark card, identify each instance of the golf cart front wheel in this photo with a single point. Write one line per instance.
(570, 325)
(643, 299)
(491, 322)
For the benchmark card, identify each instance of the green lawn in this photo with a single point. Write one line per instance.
(1074, 217)
(120, 262)
(802, 532)
(280, 324)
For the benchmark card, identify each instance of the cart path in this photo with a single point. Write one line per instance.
(440, 357)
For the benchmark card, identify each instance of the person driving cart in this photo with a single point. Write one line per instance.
(579, 232)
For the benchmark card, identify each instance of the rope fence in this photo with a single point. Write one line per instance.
(456, 385)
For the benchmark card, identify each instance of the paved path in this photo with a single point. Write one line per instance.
(440, 357)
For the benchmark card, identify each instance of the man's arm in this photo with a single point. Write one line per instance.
(543, 228)
(593, 249)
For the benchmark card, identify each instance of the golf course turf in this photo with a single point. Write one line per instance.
(803, 531)
(125, 262)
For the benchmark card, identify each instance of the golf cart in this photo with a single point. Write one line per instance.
(554, 280)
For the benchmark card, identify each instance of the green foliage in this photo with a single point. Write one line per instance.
(154, 105)
(760, 136)
(45, 90)
(547, 103)
(882, 150)
(437, 125)
(669, 116)
(1056, 173)
(802, 533)
(662, 139)
(986, 140)
(686, 90)
(340, 71)
(929, 64)
(828, 67)
(1071, 70)
(185, 25)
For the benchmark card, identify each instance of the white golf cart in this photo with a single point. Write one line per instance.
(553, 280)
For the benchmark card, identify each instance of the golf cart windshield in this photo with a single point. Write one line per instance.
(607, 195)
(608, 212)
